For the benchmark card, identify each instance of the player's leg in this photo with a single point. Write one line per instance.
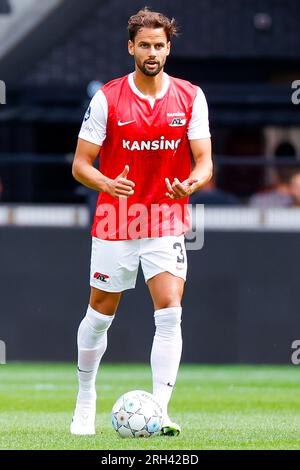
(92, 343)
(92, 339)
(114, 266)
(164, 264)
(166, 292)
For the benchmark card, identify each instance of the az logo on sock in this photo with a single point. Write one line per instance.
(101, 277)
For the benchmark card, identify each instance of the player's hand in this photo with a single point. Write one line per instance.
(178, 189)
(121, 186)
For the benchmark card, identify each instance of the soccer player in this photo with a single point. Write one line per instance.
(146, 127)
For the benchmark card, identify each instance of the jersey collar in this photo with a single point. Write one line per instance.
(166, 83)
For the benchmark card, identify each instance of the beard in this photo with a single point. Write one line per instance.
(150, 73)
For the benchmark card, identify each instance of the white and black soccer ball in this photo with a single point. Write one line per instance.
(137, 414)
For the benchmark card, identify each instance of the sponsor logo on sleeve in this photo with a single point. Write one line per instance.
(87, 128)
(87, 114)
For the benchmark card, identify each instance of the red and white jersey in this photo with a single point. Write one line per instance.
(152, 137)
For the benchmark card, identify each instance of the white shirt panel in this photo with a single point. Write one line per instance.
(93, 128)
(199, 124)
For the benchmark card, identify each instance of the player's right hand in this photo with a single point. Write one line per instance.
(121, 186)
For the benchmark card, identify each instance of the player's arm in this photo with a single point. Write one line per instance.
(200, 175)
(203, 167)
(85, 173)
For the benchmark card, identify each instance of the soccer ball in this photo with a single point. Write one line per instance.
(137, 414)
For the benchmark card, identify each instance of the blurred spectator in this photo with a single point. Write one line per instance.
(295, 189)
(285, 194)
(285, 150)
(211, 195)
(279, 195)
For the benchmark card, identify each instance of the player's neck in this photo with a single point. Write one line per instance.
(149, 86)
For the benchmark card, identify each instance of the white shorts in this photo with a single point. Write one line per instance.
(115, 264)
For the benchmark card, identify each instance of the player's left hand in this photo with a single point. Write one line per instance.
(178, 189)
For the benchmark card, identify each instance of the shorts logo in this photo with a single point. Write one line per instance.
(101, 277)
(176, 122)
(179, 267)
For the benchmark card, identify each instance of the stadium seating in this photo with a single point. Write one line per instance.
(211, 30)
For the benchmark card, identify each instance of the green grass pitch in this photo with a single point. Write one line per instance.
(218, 407)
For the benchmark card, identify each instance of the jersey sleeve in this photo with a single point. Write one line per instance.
(199, 124)
(94, 123)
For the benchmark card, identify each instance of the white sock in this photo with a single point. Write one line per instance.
(92, 343)
(166, 353)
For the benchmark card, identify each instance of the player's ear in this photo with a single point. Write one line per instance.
(130, 47)
(168, 47)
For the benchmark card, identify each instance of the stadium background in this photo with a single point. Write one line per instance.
(242, 297)
(238, 385)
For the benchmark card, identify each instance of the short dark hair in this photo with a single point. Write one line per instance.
(147, 18)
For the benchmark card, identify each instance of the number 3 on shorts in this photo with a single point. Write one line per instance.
(176, 246)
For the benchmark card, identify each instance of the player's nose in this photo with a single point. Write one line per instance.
(152, 52)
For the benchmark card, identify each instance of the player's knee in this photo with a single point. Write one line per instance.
(104, 302)
(106, 308)
(168, 302)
